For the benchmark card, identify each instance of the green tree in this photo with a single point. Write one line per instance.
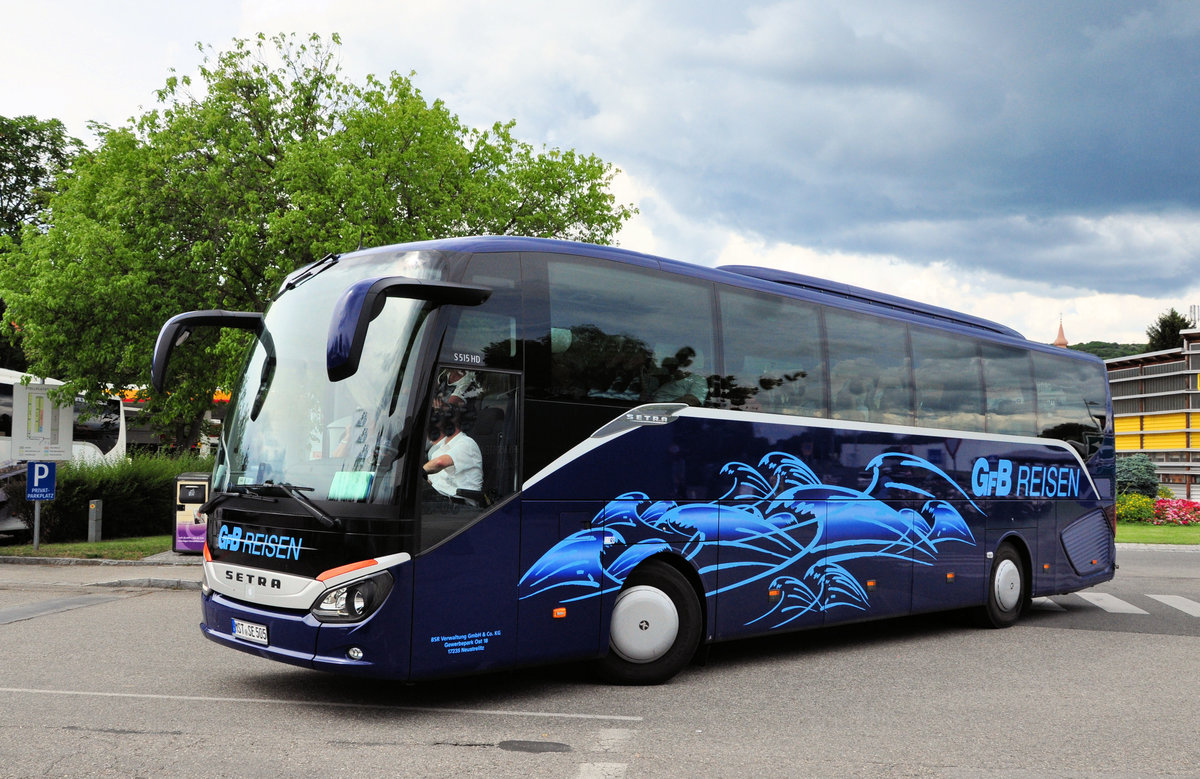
(211, 199)
(1106, 350)
(32, 153)
(1164, 332)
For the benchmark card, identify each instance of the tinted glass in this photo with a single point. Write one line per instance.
(1070, 400)
(470, 457)
(948, 379)
(869, 369)
(773, 355)
(621, 334)
(487, 334)
(1008, 376)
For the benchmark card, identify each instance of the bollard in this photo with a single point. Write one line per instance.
(95, 515)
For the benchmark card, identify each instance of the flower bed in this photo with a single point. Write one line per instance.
(1176, 512)
(1139, 508)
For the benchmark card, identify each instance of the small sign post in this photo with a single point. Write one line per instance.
(39, 485)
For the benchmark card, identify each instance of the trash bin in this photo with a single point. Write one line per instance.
(191, 492)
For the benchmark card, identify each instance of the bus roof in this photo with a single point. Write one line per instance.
(726, 273)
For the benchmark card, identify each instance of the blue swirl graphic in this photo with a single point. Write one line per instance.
(778, 524)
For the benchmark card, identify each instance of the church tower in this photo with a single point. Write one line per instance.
(1062, 338)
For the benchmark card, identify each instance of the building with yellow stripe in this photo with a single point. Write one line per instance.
(1156, 411)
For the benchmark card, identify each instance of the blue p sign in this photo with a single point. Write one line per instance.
(39, 481)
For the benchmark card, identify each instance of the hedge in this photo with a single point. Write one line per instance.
(138, 495)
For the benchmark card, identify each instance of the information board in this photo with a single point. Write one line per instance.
(41, 429)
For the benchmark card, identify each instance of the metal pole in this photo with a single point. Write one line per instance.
(37, 524)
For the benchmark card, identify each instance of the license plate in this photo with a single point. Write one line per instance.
(251, 631)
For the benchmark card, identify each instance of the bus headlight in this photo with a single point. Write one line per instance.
(355, 601)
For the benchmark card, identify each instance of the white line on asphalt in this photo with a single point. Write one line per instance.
(324, 704)
(1110, 603)
(601, 771)
(611, 739)
(1186, 605)
(1045, 604)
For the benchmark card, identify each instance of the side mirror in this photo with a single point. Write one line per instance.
(179, 327)
(363, 301)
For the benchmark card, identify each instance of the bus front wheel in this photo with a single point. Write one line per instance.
(1008, 589)
(656, 626)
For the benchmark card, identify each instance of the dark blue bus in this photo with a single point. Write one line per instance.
(470, 454)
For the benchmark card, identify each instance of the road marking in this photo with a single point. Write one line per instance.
(1186, 605)
(1045, 604)
(601, 771)
(611, 739)
(324, 704)
(1110, 603)
(55, 606)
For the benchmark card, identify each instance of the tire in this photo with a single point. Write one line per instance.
(1008, 589)
(655, 627)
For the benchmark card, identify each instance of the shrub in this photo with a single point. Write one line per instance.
(1176, 512)
(1136, 474)
(138, 495)
(1132, 507)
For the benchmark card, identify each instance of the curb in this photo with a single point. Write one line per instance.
(10, 560)
(154, 584)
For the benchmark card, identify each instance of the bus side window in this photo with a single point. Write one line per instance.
(626, 335)
(473, 423)
(6, 410)
(1008, 376)
(948, 379)
(487, 335)
(870, 375)
(1070, 401)
(774, 360)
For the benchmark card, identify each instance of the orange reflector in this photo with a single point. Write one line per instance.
(332, 572)
(950, 577)
(1095, 562)
(207, 554)
(560, 612)
(774, 594)
(870, 584)
(1046, 567)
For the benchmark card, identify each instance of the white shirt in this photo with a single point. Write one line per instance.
(466, 473)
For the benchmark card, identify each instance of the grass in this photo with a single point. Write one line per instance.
(1142, 533)
(116, 549)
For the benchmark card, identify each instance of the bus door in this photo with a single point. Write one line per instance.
(469, 528)
(561, 592)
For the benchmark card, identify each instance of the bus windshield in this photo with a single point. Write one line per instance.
(289, 425)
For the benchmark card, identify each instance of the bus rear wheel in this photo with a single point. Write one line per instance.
(1008, 589)
(656, 626)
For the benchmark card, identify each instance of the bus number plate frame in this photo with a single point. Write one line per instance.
(251, 631)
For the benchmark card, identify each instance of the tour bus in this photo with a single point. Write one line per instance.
(470, 454)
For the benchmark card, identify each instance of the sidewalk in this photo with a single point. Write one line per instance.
(167, 570)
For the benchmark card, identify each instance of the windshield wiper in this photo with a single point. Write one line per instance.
(323, 264)
(296, 492)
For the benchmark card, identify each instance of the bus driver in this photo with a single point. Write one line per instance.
(455, 462)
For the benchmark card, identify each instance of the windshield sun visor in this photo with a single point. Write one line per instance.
(363, 301)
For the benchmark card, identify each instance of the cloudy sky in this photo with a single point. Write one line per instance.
(1019, 160)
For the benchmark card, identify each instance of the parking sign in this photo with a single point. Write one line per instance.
(39, 481)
